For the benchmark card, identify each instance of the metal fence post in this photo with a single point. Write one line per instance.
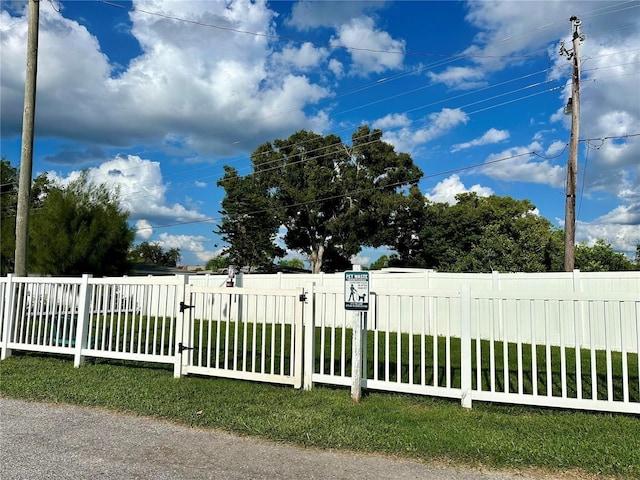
(465, 346)
(82, 325)
(309, 335)
(7, 317)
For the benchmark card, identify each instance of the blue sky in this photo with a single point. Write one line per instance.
(155, 96)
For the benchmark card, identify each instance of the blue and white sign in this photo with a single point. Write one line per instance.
(356, 290)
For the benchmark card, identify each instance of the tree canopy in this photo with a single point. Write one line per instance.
(295, 263)
(250, 221)
(154, 254)
(476, 234)
(9, 176)
(79, 229)
(332, 198)
(219, 262)
(8, 203)
(602, 258)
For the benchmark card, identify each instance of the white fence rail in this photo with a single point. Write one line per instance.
(576, 351)
(405, 287)
(133, 318)
(119, 318)
(561, 340)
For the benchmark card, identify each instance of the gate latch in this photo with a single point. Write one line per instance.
(184, 307)
(303, 297)
(182, 348)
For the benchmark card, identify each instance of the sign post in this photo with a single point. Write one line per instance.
(356, 299)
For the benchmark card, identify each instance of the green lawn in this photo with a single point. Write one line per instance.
(409, 426)
(401, 425)
(217, 344)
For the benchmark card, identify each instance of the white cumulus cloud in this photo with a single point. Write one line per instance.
(492, 135)
(446, 190)
(143, 230)
(436, 125)
(375, 44)
(140, 188)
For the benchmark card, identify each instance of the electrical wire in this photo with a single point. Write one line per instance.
(238, 31)
(397, 184)
(395, 96)
(132, 196)
(318, 157)
(525, 76)
(315, 44)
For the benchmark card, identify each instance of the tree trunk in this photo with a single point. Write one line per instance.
(315, 259)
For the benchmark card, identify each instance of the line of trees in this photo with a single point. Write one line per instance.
(333, 199)
(153, 253)
(330, 199)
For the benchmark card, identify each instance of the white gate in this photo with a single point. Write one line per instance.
(243, 334)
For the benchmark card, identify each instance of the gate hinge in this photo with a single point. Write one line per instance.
(182, 348)
(184, 307)
(303, 297)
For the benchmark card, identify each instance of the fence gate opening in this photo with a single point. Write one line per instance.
(243, 334)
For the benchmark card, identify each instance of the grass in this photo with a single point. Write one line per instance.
(416, 427)
(393, 364)
(251, 347)
(236, 345)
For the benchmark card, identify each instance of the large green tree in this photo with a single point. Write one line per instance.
(403, 224)
(79, 228)
(250, 221)
(477, 234)
(331, 197)
(9, 176)
(601, 258)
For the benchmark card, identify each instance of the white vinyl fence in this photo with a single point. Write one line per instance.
(120, 318)
(576, 351)
(566, 340)
(248, 334)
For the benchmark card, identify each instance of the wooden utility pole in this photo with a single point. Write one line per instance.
(26, 156)
(572, 167)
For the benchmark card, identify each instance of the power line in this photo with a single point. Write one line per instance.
(433, 104)
(410, 110)
(394, 185)
(357, 192)
(316, 44)
(311, 158)
(132, 196)
(554, 88)
(239, 31)
(593, 14)
(365, 87)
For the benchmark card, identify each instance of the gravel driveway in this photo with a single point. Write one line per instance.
(45, 441)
